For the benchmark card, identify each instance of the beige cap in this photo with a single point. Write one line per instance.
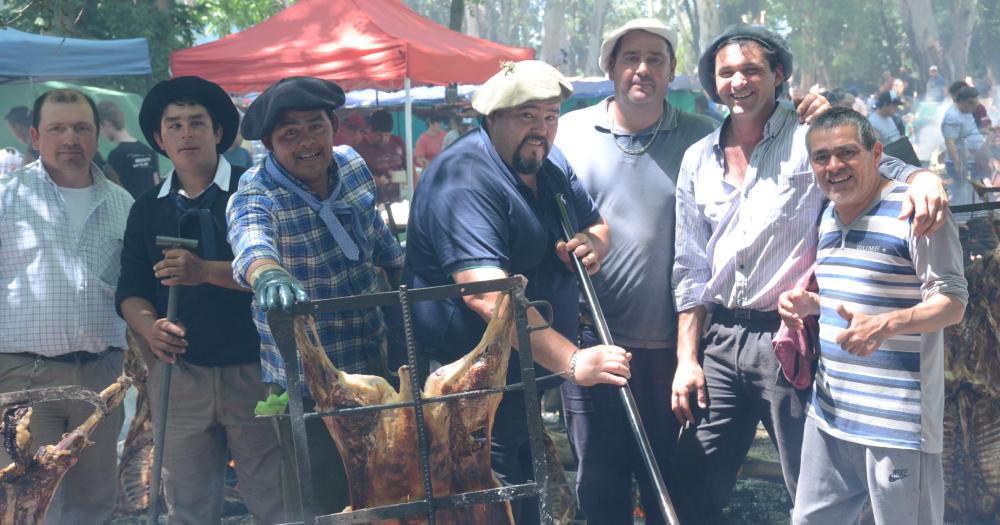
(518, 83)
(650, 25)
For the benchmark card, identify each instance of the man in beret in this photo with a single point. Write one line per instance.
(747, 208)
(485, 208)
(213, 346)
(303, 225)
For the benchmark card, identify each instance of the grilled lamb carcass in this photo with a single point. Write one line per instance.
(380, 450)
(135, 466)
(28, 484)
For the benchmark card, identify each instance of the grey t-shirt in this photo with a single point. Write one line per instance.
(635, 194)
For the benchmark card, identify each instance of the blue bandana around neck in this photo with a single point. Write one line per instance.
(331, 211)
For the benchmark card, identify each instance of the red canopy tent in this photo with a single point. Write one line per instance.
(356, 43)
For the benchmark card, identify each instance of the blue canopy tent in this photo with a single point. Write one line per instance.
(31, 57)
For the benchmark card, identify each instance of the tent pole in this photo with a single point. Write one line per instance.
(408, 124)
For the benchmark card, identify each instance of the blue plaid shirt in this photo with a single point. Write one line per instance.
(267, 221)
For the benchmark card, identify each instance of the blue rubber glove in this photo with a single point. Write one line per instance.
(276, 288)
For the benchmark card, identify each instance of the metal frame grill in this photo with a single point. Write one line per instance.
(282, 330)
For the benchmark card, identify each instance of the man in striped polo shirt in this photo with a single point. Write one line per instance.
(875, 422)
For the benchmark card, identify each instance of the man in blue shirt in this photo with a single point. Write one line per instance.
(485, 209)
(303, 224)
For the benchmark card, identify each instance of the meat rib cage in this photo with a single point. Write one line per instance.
(380, 450)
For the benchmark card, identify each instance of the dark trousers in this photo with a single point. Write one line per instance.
(602, 439)
(510, 453)
(745, 387)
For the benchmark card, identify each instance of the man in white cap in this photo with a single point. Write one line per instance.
(485, 208)
(626, 150)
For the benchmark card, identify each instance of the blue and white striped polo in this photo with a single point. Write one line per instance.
(894, 397)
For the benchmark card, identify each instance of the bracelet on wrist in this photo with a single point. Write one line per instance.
(571, 373)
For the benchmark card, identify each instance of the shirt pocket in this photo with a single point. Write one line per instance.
(108, 262)
(790, 194)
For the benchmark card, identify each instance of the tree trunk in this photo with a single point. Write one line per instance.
(596, 32)
(554, 22)
(473, 17)
(963, 23)
(709, 25)
(456, 14)
(925, 39)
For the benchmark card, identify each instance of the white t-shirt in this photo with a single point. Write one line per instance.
(78, 201)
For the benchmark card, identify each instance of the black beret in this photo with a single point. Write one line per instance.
(295, 93)
(208, 94)
(706, 65)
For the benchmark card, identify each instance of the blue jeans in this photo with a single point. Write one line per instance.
(602, 439)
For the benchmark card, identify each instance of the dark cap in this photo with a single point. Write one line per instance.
(295, 93)
(761, 34)
(216, 101)
(885, 99)
(19, 115)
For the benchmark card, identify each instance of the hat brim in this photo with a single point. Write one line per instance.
(216, 101)
(608, 45)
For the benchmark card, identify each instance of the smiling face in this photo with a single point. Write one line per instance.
(302, 142)
(845, 171)
(745, 81)
(641, 68)
(523, 135)
(66, 138)
(189, 137)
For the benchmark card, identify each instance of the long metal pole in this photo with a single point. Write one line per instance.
(160, 428)
(624, 393)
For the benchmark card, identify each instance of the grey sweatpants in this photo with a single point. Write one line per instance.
(837, 476)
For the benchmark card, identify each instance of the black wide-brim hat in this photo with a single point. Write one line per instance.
(706, 64)
(292, 93)
(215, 99)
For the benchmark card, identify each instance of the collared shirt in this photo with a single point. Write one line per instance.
(635, 194)
(223, 170)
(220, 329)
(267, 221)
(471, 211)
(742, 247)
(895, 396)
(59, 287)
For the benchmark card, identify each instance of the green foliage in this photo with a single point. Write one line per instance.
(222, 17)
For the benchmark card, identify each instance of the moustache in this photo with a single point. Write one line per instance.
(539, 138)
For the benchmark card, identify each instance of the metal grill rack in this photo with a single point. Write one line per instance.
(282, 330)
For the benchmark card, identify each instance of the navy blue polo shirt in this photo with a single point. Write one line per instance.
(470, 210)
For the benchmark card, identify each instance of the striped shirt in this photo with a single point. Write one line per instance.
(894, 397)
(742, 247)
(267, 221)
(59, 285)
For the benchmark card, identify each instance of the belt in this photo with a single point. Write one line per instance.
(80, 357)
(744, 314)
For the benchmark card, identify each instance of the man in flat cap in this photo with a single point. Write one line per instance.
(213, 346)
(626, 151)
(747, 208)
(61, 227)
(485, 208)
(303, 225)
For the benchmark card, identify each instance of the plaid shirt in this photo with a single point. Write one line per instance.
(59, 287)
(267, 221)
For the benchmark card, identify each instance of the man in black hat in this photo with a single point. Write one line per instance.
(747, 206)
(303, 225)
(213, 346)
